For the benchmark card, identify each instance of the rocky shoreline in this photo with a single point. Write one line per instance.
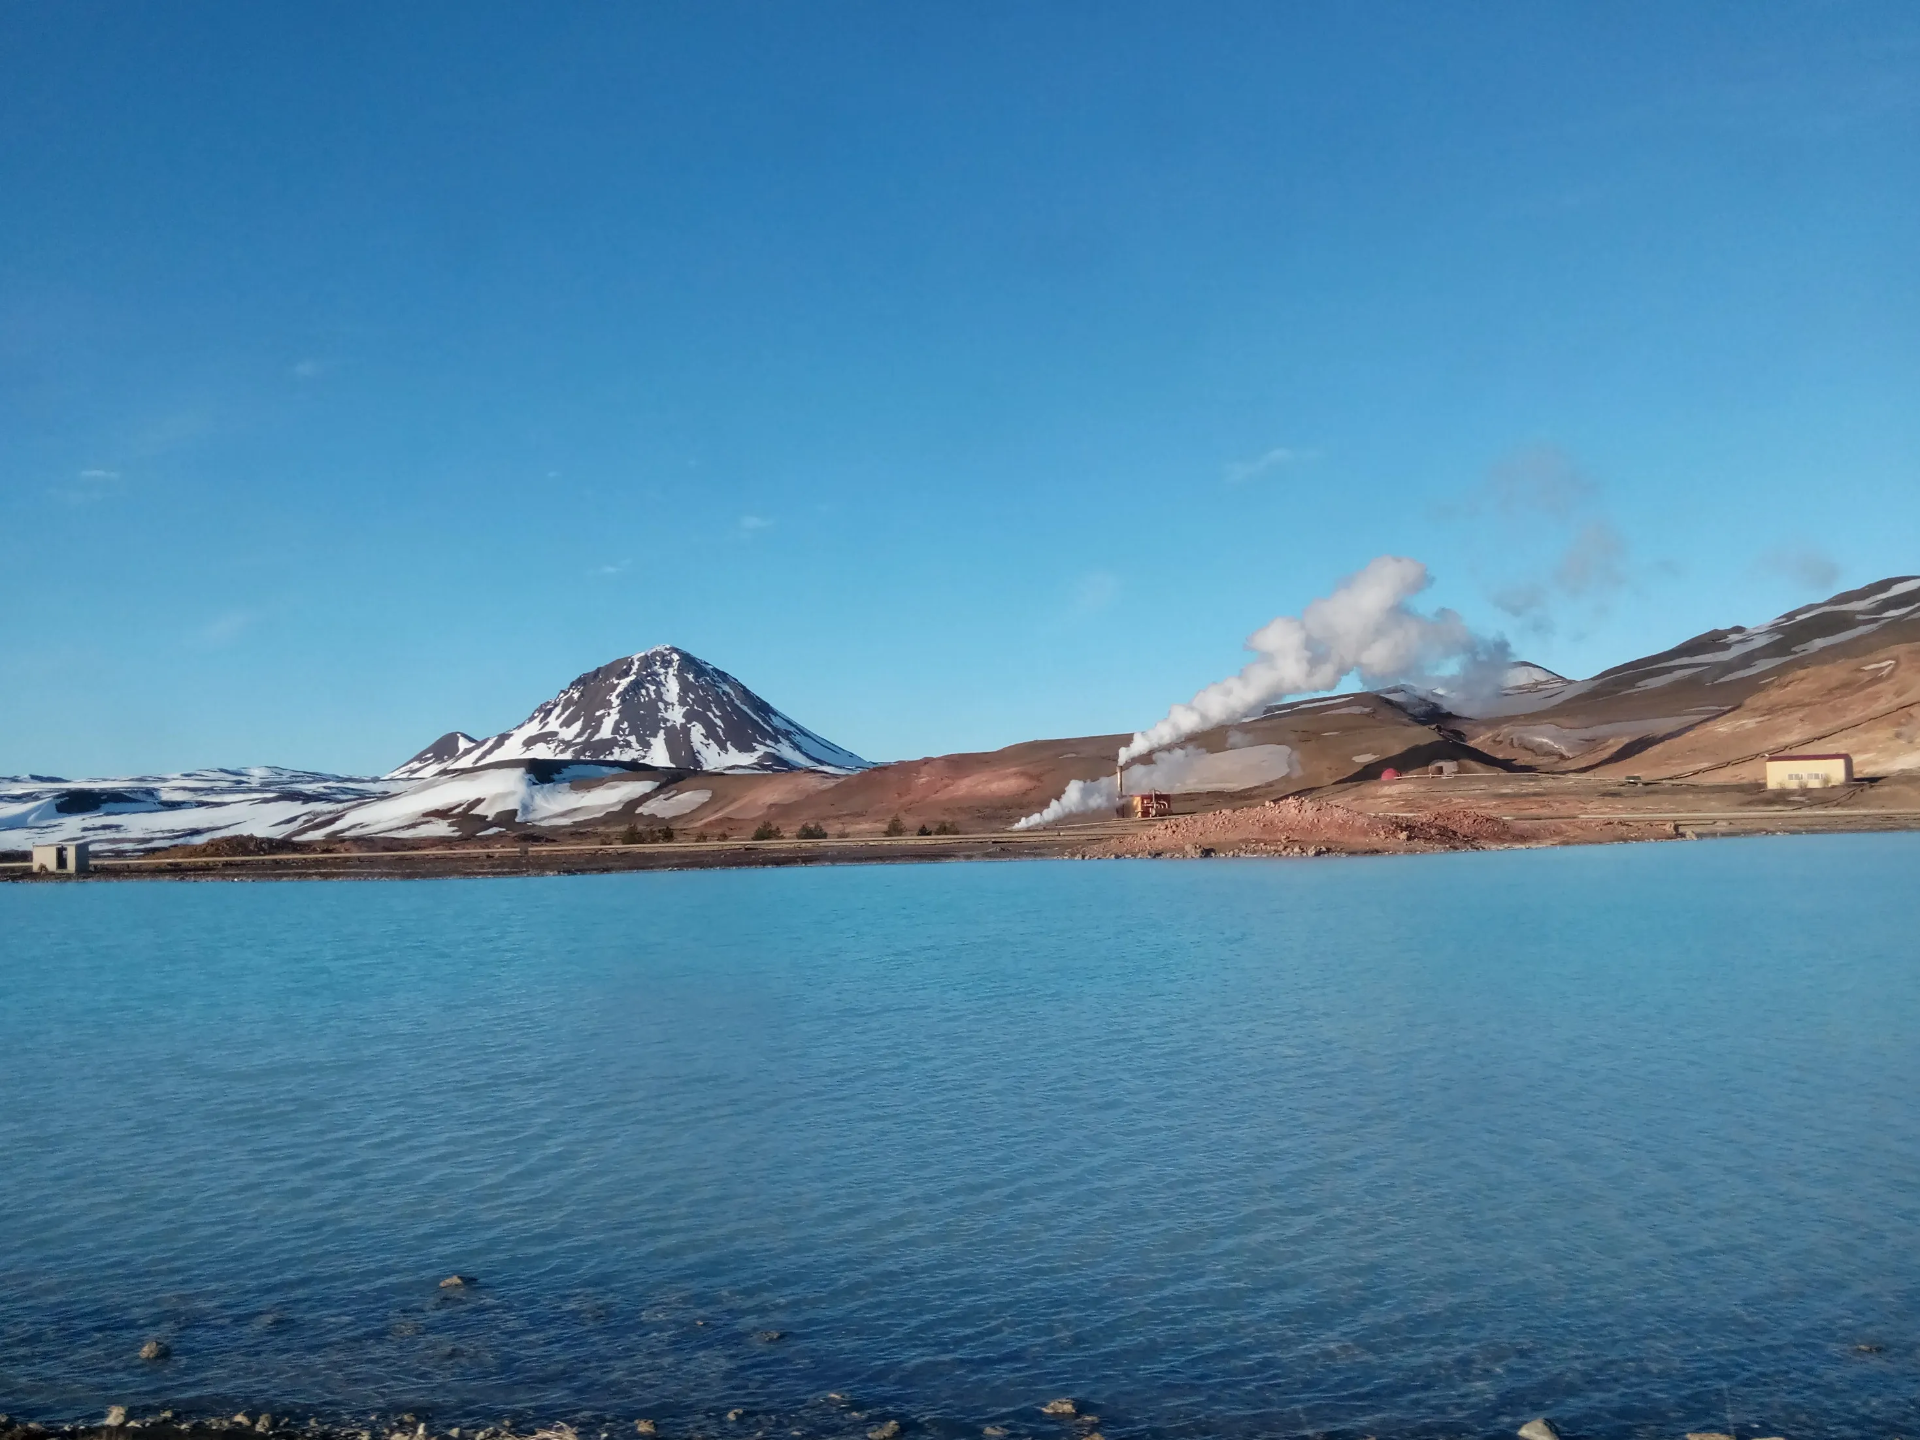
(834, 1417)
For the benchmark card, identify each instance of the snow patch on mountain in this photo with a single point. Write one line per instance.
(1720, 657)
(436, 808)
(681, 802)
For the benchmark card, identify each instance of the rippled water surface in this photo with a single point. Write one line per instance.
(1423, 1146)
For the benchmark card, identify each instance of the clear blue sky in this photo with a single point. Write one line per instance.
(954, 374)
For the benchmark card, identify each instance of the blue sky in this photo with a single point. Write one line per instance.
(954, 374)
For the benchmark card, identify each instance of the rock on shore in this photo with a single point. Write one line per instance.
(1298, 826)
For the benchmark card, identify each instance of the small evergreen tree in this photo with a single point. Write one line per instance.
(767, 831)
(810, 831)
(896, 826)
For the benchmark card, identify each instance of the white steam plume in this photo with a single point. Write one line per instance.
(1363, 628)
(1170, 770)
(1081, 797)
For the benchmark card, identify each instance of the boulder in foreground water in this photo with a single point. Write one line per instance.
(1061, 1406)
(458, 1282)
(155, 1350)
(1538, 1430)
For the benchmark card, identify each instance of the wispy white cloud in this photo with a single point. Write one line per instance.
(1078, 601)
(224, 629)
(1524, 600)
(87, 486)
(173, 431)
(1593, 561)
(311, 369)
(1536, 499)
(1540, 480)
(1095, 591)
(1238, 472)
(753, 524)
(618, 568)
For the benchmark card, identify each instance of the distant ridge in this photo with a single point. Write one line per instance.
(1724, 665)
(436, 758)
(641, 743)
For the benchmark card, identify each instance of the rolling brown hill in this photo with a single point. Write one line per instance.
(1841, 674)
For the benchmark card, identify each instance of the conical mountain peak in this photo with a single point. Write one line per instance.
(661, 706)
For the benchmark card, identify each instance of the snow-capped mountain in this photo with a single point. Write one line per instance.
(573, 759)
(662, 707)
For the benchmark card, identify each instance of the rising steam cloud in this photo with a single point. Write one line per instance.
(1365, 628)
(1182, 768)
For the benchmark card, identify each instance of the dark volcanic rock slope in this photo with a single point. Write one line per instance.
(437, 758)
(661, 707)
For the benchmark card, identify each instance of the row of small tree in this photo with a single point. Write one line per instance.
(767, 830)
(809, 831)
(897, 826)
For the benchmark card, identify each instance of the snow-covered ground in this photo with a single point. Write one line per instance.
(435, 808)
(146, 812)
(150, 812)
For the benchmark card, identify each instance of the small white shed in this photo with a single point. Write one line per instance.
(70, 859)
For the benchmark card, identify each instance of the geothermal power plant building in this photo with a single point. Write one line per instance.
(1808, 772)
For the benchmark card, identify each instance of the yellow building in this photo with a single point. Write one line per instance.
(1808, 772)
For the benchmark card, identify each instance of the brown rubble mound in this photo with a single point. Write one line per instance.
(229, 847)
(1297, 826)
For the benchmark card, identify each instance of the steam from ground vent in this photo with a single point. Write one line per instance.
(1183, 768)
(1365, 628)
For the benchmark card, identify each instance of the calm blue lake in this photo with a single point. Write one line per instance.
(1416, 1147)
